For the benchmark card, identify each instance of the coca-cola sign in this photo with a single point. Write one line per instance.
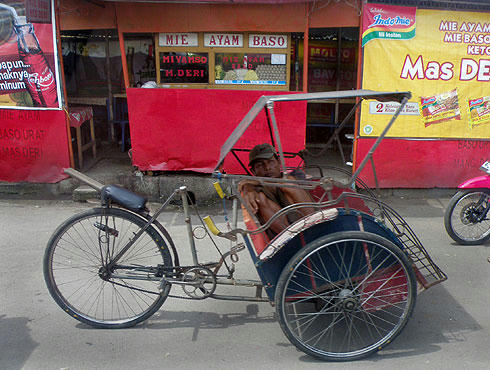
(27, 57)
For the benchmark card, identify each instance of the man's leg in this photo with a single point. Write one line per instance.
(267, 208)
(295, 195)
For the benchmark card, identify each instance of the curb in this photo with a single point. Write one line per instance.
(157, 187)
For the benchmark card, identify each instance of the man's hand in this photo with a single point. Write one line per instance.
(249, 194)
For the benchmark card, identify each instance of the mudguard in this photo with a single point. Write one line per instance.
(476, 182)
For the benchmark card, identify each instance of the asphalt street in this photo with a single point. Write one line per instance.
(449, 329)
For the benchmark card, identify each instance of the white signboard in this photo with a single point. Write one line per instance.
(268, 41)
(278, 58)
(177, 39)
(223, 40)
(410, 109)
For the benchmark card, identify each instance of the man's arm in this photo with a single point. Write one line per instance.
(261, 205)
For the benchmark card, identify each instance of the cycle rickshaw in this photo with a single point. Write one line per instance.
(344, 279)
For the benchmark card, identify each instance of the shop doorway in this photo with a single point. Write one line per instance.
(94, 81)
(332, 66)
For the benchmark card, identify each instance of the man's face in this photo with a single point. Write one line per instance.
(267, 167)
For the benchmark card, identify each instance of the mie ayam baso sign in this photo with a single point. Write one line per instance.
(443, 58)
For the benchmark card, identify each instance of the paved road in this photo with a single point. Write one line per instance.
(450, 327)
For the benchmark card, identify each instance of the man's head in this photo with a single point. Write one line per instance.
(264, 161)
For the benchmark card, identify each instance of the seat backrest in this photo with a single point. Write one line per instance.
(319, 193)
(259, 241)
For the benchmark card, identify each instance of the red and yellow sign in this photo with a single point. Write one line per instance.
(388, 22)
(446, 66)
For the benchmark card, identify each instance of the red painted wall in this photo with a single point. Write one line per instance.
(404, 163)
(184, 129)
(33, 145)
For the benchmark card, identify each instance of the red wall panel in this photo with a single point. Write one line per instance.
(402, 163)
(33, 145)
(175, 130)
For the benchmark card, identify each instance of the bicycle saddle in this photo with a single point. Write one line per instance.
(123, 197)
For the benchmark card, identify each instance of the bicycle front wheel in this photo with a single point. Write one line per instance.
(78, 278)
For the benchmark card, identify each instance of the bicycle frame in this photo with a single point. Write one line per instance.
(171, 275)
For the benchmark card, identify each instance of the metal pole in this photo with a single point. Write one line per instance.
(270, 107)
(185, 204)
(377, 142)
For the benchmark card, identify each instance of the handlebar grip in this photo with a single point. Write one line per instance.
(219, 190)
(211, 226)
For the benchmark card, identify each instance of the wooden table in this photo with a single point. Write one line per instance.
(88, 100)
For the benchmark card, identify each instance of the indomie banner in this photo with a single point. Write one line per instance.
(442, 57)
(28, 63)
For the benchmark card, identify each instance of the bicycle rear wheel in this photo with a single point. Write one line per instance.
(345, 295)
(75, 268)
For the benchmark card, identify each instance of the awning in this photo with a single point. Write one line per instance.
(330, 95)
(213, 1)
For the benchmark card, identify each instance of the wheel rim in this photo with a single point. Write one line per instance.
(351, 305)
(464, 215)
(83, 283)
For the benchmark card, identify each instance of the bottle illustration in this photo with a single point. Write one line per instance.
(39, 80)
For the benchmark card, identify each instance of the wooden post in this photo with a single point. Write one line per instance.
(109, 86)
(62, 80)
(123, 57)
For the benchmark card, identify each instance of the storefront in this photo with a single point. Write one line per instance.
(190, 71)
(211, 63)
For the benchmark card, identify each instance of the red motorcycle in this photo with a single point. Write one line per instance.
(467, 216)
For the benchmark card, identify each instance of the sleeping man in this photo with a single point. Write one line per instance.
(265, 201)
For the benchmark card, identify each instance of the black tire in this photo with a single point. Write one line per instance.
(345, 295)
(460, 217)
(73, 268)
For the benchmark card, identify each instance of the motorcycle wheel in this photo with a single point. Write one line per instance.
(461, 217)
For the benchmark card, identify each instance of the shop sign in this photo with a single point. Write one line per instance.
(177, 39)
(28, 60)
(445, 66)
(268, 41)
(376, 107)
(223, 40)
(326, 54)
(388, 22)
(250, 69)
(184, 67)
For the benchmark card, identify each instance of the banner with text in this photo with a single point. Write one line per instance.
(33, 145)
(442, 57)
(28, 58)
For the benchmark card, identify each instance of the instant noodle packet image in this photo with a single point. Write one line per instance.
(440, 108)
(479, 110)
